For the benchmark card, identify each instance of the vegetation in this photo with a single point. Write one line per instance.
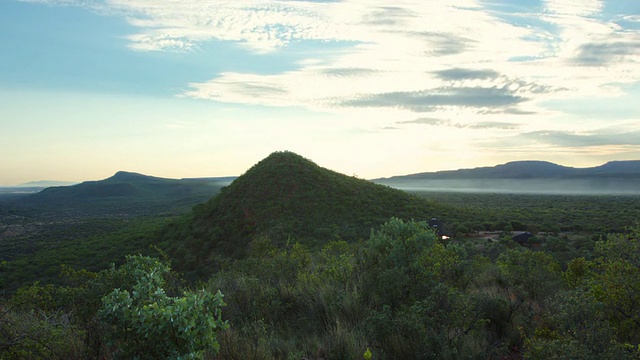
(123, 195)
(401, 293)
(38, 252)
(89, 225)
(147, 324)
(125, 312)
(596, 214)
(318, 265)
(286, 196)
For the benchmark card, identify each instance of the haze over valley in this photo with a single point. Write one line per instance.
(530, 177)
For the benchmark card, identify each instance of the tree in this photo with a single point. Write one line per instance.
(532, 274)
(598, 318)
(617, 284)
(414, 283)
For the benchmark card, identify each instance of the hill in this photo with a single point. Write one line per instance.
(124, 194)
(286, 197)
(528, 176)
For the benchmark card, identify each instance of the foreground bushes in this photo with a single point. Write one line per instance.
(405, 294)
(402, 293)
(95, 319)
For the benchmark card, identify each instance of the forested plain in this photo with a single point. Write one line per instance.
(293, 261)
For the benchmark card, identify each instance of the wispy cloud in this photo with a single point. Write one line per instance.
(632, 18)
(347, 72)
(466, 74)
(448, 123)
(606, 53)
(574, 7)
(444, 44)
(465, 58)
(574, 139)
(427, 101)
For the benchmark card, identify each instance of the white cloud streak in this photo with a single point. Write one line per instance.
(576, 8)
(389, 61)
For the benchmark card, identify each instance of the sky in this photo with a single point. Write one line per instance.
(198, 88)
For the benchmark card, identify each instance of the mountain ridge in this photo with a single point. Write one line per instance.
(610, 168)
(125, 193)
(532, 177)
(528, 169)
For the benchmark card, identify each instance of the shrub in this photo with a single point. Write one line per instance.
(145, 323)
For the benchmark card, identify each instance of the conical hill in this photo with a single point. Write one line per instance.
(289, 198)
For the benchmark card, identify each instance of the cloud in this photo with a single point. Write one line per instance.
(426, 121)
(407, 57)
(495, 125)
(259, 26)
(514, 111)
(632, 18)
(443, 44)
(243, 88)
(429, 100)
(258, 89)
(574, 7)
(466, 74)
(483, 125)
(347, 72)
(604, 53)
(388, 15)
(573, 139)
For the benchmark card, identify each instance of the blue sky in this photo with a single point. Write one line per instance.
(193, 88)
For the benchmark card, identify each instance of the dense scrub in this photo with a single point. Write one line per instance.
(402, 293)
(134, 311)
(38, 251)
(405, 294)
(597, 214)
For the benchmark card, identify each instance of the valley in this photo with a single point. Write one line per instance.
(317, 264)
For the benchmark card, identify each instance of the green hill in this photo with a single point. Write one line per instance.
(125, 194)
(91, 224)
(286, 197)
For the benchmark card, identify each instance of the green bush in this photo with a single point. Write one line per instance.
(145, 323)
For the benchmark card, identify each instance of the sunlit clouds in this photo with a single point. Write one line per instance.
(474, 82)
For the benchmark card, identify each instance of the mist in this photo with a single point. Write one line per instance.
(593, 186)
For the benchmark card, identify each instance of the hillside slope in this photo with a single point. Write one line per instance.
(125, 193)
(286, 197)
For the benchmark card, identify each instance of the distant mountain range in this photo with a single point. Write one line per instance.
(530, 170)
(46, 183)
(32, 187)
(126, 192)
(615, 177)
(125, 183)
(517, 176)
